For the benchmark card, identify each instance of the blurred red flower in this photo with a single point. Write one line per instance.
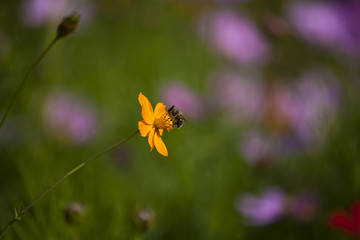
(347, 222)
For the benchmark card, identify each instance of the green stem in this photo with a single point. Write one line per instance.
(138, 236)
(24, 80)
(22, 212)
(7, 226)
(74, 233)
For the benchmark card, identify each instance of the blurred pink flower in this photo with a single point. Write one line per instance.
(236, 37)
(296, 115)
(304, 206)
(256, 148)
(37, 13)
(186, 100)
(264, 209)
(279, 108)
(298, 110)
(69, 117)
(352, 15)
(240, 96)
(318, 98)
(321, 23)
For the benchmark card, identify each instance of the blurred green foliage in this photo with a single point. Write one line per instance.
(138, 46)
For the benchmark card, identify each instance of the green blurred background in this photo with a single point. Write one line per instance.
(83, 97)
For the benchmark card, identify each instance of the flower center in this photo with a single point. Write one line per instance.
(164, 122)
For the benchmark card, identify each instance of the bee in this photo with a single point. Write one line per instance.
(176, 115)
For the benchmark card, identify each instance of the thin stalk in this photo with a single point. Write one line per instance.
(22, 212)
(138, 236)
(31, 69)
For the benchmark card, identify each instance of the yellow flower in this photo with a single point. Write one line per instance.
(154, 123)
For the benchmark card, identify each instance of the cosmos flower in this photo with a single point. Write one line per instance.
(256, 148)
(322, 23)
(347, 222)
(241, 96)
(69, 117)
(278, 108)
(318, 98)
(37, 13)
(235, 37)
(183, 97)
(263, 209)
(154, 123)
(304, 206)
(297, 111)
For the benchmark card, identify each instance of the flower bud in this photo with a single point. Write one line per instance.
(68, 25)
(143, 219)
(74, 213)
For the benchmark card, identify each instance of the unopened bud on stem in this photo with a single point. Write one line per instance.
(143, 219)
(74, 213)
(68, 25)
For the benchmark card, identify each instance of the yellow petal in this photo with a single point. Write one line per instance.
(159, 110)
(159, 144)
(151, 138)
(146, 109)
(161, 131)
(144, 128)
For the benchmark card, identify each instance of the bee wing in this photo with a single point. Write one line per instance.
(183, 119)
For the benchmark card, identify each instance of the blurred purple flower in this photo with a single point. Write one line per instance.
(321, 23)
(296, 115)
(68, 117)
(235, 37)
(305, 206)
(318, 98)
(297, 111)
(37, 13)
(263, 209)
(241, 96)
(352, 15)
(187, 101)
(256, 148)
